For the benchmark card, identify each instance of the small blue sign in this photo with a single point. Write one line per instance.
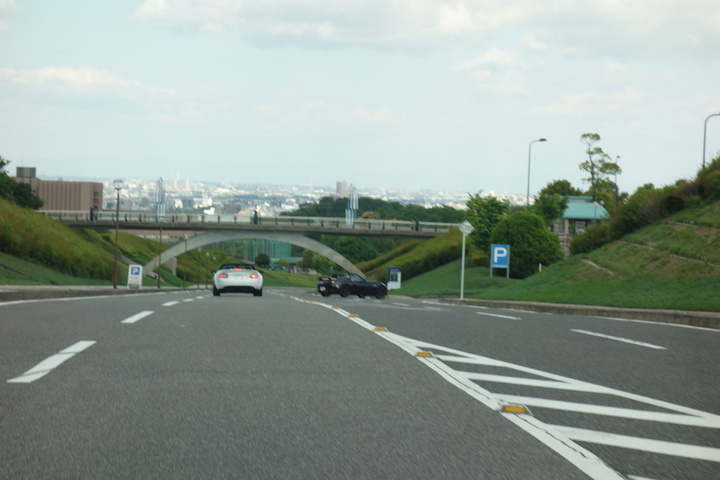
(500, 256)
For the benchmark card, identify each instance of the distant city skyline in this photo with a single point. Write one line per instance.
(436, 95)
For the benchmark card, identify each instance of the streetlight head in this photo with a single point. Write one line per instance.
(542, 139)
(118, 183)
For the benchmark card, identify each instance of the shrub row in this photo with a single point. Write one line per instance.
(426, 256)
(649, 205)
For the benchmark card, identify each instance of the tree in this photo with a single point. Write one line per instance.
(6, 183)
(531, 243)
(324, 265)
(17, 192)
(600, 167)
(355, 249)
(560, 187)
(24, 196)
(307, 259)
(262, 259)
(550, 207)
(484, 213)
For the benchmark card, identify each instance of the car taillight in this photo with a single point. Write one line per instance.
(223, 275)
(254, 275)
(238, 269)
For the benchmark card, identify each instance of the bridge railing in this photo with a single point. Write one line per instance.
(195, 219)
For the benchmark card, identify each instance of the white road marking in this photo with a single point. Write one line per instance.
(561, 439)
(138, 316)
(170, 304)
(620, 339)
(647, 415)
(634, 443)
(52, 362)
(189, 300)
(498, 316)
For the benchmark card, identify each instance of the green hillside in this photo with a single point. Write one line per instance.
(35, 250)
(674, 264)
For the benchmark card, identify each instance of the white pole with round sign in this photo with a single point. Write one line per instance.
(466, 230)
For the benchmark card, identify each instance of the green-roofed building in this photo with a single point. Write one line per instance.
(581, 212)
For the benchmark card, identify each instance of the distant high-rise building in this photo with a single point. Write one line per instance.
(60, 195)
(352, 207)
(160, 197)
(342, 189)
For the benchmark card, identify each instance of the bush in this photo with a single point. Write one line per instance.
(479, 259)
(531, 243)
(593, 238)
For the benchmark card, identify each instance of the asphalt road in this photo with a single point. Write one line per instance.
(184, 385)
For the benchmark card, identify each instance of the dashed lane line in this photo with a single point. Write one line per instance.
(138, 316)
(620, 339)
(52, 362)
(506, 317)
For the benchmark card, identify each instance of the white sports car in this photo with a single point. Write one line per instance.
(237, 277)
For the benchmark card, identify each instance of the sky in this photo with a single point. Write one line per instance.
(398, 94)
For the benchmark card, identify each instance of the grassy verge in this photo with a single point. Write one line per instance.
(15, 271)
(574, 281)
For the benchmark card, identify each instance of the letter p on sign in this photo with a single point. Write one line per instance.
(500, 256)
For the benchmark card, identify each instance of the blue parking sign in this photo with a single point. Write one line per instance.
(500, 256)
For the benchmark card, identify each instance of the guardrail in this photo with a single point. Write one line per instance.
(189, 220)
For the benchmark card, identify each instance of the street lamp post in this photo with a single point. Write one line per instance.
(185, 258)
(118, 184)
(705, 134)
(527, 198)
(466, 230)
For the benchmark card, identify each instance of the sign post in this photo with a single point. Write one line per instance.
(466, 230)
(135, 276)
(500, 258)
(394, 278)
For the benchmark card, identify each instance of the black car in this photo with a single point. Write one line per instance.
(346, 284)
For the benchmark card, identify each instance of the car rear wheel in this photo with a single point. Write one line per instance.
(216, 292)
(380, 292)
(345, 290)
(257, 293)
(325, 294)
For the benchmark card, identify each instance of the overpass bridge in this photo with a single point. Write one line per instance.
(219, 228)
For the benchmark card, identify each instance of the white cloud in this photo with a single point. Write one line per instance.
(7, 7)
(563, 25)
(381, 115)
(341, 22)
(81, 82)
(317, 113)
(493, 56)
(591, 103)
(495, 70)
(532, 43)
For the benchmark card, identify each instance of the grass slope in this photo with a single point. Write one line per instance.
(672, 265)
